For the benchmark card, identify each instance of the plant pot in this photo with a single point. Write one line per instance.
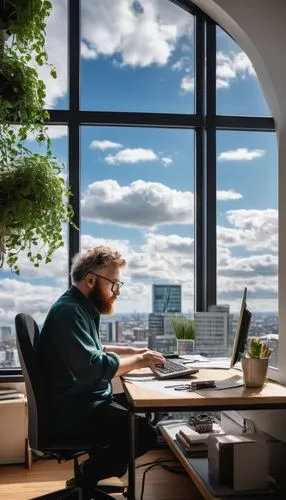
(185, 346)
(254, 371)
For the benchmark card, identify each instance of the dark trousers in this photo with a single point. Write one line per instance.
(106, 429)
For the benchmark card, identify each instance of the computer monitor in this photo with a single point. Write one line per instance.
(241, 332)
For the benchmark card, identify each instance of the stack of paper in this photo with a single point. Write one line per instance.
(193, 443)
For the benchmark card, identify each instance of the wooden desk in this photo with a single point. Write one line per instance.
(142, 399)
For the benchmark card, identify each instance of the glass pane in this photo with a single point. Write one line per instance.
(247, 230)
(137, 196)
(136, 56)
(34, 291)
(238, 90)
(56, 42)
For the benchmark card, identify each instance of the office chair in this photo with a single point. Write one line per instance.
(27, 333)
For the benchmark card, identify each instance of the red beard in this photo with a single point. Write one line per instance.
(100, 302)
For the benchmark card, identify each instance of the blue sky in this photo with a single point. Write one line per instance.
(137, 185)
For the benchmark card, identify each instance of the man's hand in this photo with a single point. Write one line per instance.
(150, 359)
(140, 358)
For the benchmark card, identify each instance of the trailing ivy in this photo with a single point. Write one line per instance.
(33, 195)
(25, 21)
(33, 207)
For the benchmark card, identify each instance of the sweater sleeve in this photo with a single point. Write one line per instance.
(77, 348)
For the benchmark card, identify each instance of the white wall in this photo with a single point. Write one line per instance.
(258, 26)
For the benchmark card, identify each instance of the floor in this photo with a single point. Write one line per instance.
(18, 483)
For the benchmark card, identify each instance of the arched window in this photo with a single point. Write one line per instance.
(162, 124)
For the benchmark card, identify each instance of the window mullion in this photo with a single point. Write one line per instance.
(74, 134)
(211, 237)
(199, 222)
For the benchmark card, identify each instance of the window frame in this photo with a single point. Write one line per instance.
(205, 123)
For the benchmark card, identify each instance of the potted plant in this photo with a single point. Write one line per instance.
(254, 362)
(184, 330)
(33, 206)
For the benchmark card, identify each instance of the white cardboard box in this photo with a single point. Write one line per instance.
(13, 431)
(233, 461)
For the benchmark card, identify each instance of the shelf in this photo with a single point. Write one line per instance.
(197, 469)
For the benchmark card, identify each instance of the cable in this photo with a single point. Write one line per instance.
(159, 463)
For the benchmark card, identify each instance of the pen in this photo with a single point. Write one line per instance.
(172, 386)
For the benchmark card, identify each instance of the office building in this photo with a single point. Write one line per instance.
(224, 308)
(106, 331)
(140, 334)
(166, 299)
(6, 333)
(211, 333)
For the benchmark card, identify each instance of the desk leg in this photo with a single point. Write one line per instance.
(131, 467)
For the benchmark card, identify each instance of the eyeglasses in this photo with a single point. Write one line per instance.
(115, 284)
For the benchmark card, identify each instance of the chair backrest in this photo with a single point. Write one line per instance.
(27, 333)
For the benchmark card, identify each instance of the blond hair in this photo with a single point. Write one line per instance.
(93, 259)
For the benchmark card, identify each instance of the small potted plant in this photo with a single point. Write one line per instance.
(184, 330)
(255, 362)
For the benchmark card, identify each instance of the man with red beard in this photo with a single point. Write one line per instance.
(78, 369)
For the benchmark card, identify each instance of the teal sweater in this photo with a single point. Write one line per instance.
(76, 370)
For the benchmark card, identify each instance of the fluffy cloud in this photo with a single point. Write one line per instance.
(241, 154)
(251, 266)
(188, 83)
(230, 66)
(105, 144)
(228, 195)
(141, 204)
(56, 42)
(132, 33)
(137, 33)
(252, 229)
(166, 160)
(169, 244)
(18, 296)
(131, 156)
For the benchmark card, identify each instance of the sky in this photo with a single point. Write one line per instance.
(137, 185)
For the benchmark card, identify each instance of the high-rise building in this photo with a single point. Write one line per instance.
(224, 308)
(106, 331)
(6, 332)
(212, 332)
(155, 327)
(166, 299)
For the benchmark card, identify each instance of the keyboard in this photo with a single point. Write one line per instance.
(173, 369)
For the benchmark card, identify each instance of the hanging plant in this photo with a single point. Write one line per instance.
(25, 21)
(33, 195)
(22, 92)
(33, 207)
(22, 97)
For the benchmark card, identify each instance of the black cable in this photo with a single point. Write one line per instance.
(143, 479)
(158, 463)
